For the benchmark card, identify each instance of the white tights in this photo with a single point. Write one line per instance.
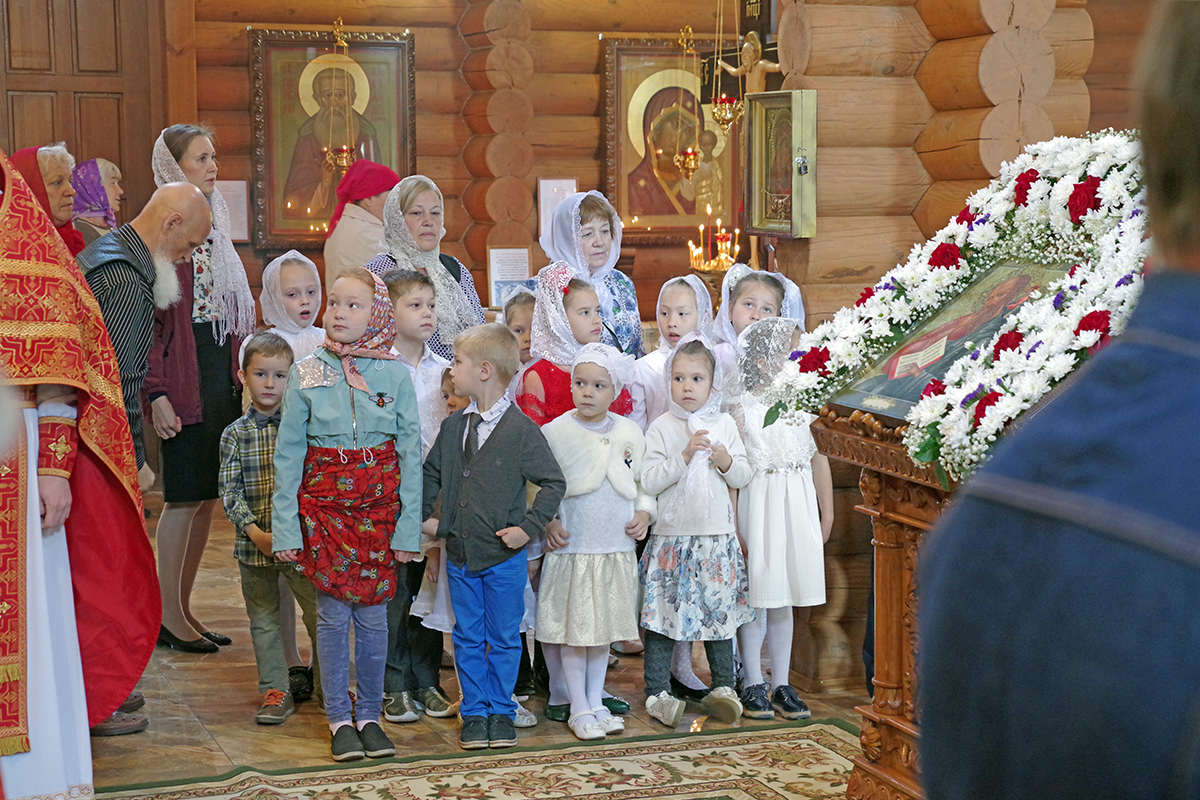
(584, 670)
(775, 626)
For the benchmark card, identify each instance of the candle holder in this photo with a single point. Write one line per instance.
(341, 157)
(712, 271)
(726, 112)
(687, 161)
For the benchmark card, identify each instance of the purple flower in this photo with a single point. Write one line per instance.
(1137, 212)
(1073, 288)
(1126, 280)
(975, 356)
(1059, 299)
(973, 396)
(887, 286)
(795, 356)
(1036, 345)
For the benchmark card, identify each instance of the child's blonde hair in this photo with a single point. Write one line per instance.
(518, 300)
(574, 286)
(493, 343)
(759, 277)
(362, 275)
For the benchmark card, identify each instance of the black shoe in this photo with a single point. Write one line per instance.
(300, 683)
(216, 638)
(375, 742)
(501, 731)
(345, 744)
(755, 702)
(524, 689)
(168, 639)
(474, 734)
(687, 693)
(789, 705)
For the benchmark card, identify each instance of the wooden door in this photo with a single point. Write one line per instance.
(82, 72)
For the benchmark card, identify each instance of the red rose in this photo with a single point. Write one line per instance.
(1007, 341)
(866, 295)
(965, 215)
(1083, 199)
(1024, 181)
(985, 402)
(815, 360)
(945, 255)
(933, 388)
(1095, 321)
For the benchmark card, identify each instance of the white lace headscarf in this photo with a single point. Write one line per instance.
(237, 314)
(308, 337)
(550, 337)
(762, 351)
(562, 242)
(693, 493)
(704, 310)
(791, 308)
(454, 311)
(619, 365)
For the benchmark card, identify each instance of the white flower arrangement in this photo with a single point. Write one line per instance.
(1082, 204)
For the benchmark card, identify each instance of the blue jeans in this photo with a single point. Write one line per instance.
(370, 651)
(488, 606)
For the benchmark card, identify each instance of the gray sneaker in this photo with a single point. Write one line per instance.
(375, 742)
(276, 707)
(435, 702)
(400, 707)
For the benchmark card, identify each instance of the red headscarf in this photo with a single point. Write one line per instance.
(364, 179)
(27, 164)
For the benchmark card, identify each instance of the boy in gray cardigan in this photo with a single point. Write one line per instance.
(480, 463)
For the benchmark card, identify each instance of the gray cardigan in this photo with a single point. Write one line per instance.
(487, 494)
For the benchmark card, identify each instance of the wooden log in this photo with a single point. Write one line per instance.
(441, 92)
(441, 134)
(498, 111)
(486, 24)
(290, 13)
(565, 94)
(234, 168)
(795, 38)
(848, 110)
(493, 200)
(565, 136)
(1110, 93)
(482, 235)
(857, 250)
(223, 88)
(230, 139)
(498, 155)
(1071, 4)
(1069, 34)
(448, 172)
(227, 44)
(942, 203)
(1115, 54)
(1119, 16)
(616, 17)
(869, 181)
(575, 51)
(866, 40)
(1069, 107)
(455, 218)
(981, 71)
(507, 65)
(954, 19)
(179, 47)
(823, 300)
(587, 172)
(973, 143)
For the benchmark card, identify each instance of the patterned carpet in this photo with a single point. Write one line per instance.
(786, 761)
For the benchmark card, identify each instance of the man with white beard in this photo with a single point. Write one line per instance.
(131, 271)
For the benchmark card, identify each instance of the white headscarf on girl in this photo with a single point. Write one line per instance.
(232, 290)
(704, 311)
(562, 242)
(307, 338)
(454, 311)
(619, 365)
(550, 336)
(791, 308)
(693, 493)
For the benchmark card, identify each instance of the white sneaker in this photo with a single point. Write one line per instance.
(722, 704)
(585, 731)
(666, 709)
(608, 721)
(525, 718)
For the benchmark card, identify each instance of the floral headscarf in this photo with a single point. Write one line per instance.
(90, 198)
(376, 341)
(562, 242)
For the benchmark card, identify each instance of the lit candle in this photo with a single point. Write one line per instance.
(708, 245)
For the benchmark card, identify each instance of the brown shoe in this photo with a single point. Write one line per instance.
(120, 724)
(132, 703)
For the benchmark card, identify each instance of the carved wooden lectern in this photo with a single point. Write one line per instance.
(903, 500)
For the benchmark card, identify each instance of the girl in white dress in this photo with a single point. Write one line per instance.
(589, 589)
(748, 295)
(785, 515)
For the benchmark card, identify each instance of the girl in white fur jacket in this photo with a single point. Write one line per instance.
(589, 588)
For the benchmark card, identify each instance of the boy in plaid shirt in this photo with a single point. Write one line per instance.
(247, 482)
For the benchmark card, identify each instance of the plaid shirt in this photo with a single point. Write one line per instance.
(247, 481)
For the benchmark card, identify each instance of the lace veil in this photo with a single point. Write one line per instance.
(762, 352)
(230, 286)
(454, 311)
(703, 304)
(309, 337)
(618, 364)
(562, 243)
(792, 307)
(551, 337)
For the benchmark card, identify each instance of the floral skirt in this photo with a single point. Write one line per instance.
(348, 510)
(694, 588)
(588, 599)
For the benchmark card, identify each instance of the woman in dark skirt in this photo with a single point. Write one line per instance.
(191, 388)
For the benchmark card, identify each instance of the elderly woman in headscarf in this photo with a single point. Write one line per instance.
(47, 170)
(191, 385)
(585, 232)
(356, 228)
(98, 196)
(412, 237)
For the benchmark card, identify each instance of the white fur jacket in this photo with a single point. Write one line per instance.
(587, 458)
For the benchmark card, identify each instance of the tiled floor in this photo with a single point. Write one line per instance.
(201, 707)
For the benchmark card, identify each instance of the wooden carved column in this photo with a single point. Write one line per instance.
(499, 113)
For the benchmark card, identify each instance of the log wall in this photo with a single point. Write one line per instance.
(1118, 26)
